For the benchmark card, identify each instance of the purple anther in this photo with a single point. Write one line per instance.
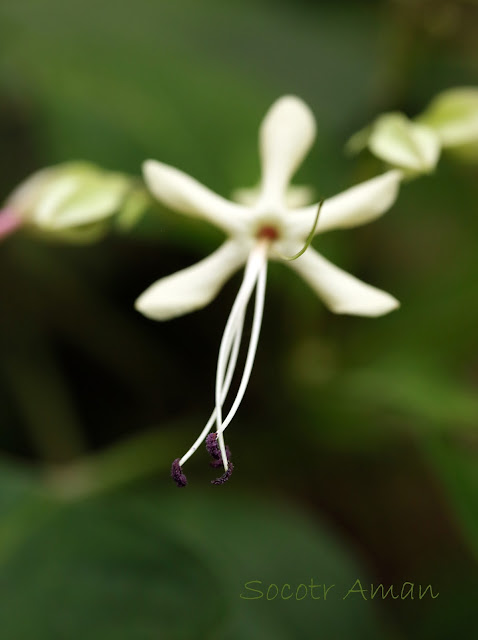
(224, 478)
(218, 463)
(177, 474)
(212, 446)
(214, 451)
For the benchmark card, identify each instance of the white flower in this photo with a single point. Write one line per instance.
(265, 230)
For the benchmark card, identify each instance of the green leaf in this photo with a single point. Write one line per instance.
(106, 570)
(257, 539)
(456, 464)
(415, 389)
(173, 565)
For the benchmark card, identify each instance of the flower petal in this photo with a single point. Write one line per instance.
(286, 135)
(297, 195)
(342, 292)
(193, 287)
(182, 193)
(351, 208)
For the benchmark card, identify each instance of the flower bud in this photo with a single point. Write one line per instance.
(70, 196)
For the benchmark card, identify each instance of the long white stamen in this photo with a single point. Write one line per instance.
(229, 349)
(257, 259)
(256, 328)
(232, 349)
(232, 358)
(236, 342)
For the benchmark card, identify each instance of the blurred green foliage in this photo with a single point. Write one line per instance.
(356, 444)
(144, 564)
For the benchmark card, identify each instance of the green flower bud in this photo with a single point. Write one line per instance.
(453, 115)
(70, 196)
(404, 144)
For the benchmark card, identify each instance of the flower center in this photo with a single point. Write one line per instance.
(268, 232)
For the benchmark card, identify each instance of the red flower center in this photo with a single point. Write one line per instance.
(268, 232)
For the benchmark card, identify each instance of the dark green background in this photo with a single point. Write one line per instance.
(355, 447)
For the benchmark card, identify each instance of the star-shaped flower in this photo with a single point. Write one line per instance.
(265, 230)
